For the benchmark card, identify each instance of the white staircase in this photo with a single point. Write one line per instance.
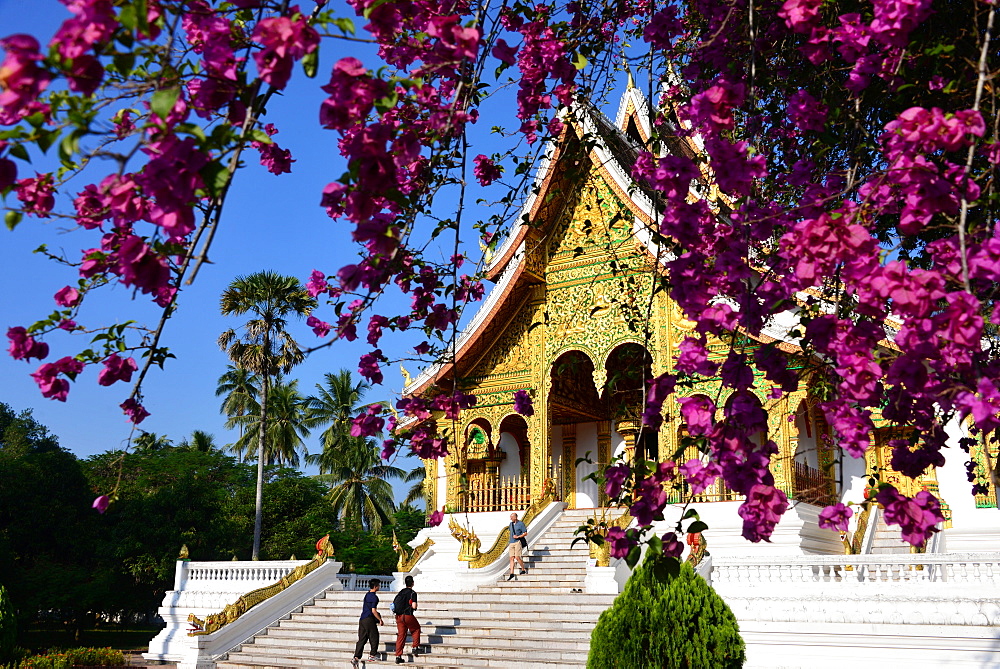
(536, 621)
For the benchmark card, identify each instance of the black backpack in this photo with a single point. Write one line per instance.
(401, 602)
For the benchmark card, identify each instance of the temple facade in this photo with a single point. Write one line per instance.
(581, 318)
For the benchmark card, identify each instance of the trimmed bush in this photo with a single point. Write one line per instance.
(75, 657)
(677, 623)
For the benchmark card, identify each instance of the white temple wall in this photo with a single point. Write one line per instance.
(806, 452)
(617, 444)
(972, 529)
(511, 465)
(586, 440)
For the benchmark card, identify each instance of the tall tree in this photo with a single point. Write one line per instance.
(359, 484)
(288, 424)
(200, 441)
(266, 348)
(239, 388)
(337, 401)
(417, 492)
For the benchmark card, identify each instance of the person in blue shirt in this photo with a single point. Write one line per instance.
(517, 541)
(368, 625)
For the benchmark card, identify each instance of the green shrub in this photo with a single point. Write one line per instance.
(8, 627)
(75, 657)
(677, 623)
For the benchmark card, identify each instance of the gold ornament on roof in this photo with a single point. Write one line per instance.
(470, 542)
(407, 379)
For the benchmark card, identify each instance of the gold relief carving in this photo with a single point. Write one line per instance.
(406, 561)
(545, 497)
(215, 621)
(510, 352)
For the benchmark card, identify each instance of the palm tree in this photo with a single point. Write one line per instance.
(200, 441)
(239, 387)
(416, 493)
(359, 484)
(149, 442)
(287, 426)
(337, 401)
(266, 349)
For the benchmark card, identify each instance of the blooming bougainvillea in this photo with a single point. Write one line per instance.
(838, 176)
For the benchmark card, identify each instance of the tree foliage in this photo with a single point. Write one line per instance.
(820, 172)
(673, 623)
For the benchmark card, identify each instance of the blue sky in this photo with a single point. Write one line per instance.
(270, 222)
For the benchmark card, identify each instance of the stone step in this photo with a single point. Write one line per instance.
(315, 644)
(533, 622)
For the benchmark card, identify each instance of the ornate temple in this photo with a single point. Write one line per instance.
(580, 318)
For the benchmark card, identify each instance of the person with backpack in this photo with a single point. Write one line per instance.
(367, 627)
(517, 543)
(403, 606)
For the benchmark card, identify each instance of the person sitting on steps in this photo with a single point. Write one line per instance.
(517, 543)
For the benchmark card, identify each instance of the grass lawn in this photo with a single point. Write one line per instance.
(41, 639)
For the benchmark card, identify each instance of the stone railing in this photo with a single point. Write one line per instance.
(358, 582)
(964, 568)
(205, 588)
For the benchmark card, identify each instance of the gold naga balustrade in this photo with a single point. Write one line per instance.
(407, 560)
(467, 537)
(480, 560)
(215, 621)
(602, 552)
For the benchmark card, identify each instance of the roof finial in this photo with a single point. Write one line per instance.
(631, 82)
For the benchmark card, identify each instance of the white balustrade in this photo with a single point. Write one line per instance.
(960, 568)
(358, 582)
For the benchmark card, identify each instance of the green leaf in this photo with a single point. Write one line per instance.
(310, 63)
(655, 544)
(215, 176)
(346, 25)
(691, 513)
(124, 62)
(633, 557)
(46, 139)
(580, 61)
(697, 526)
(18, 151)
(127, 17)
(12, 218)
(163, 101)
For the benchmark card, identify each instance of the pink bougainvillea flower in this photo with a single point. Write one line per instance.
(614, 479)
(435, 518)
(485, 171)
(523, 404)
(24, 346)
(835, 517)
(621, 541)
(317, 283)
(115, 369)
(68, 297)
(49, 377)
(321, 328)
(136, 412)
(671, 546)
(102, 503)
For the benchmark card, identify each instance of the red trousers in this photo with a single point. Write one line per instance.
(406, 624)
